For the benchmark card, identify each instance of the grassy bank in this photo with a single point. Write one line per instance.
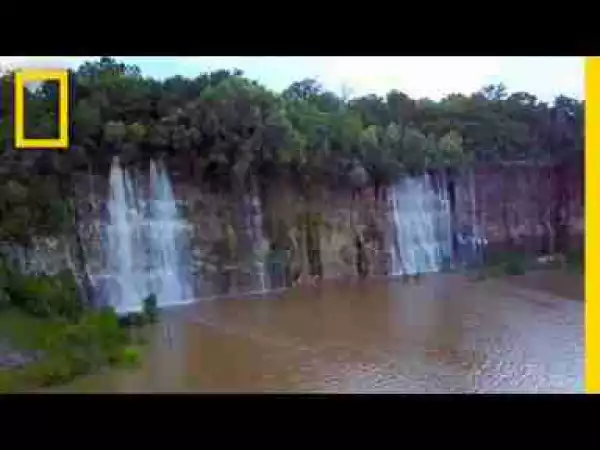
(66, 349)
(499, 264)
(44, 322)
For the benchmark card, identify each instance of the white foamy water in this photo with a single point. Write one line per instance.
(423, 235)
(145, 243)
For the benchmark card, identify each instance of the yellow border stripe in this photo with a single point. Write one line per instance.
(592, 222)
(21, 78)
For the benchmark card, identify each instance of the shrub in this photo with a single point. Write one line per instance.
(130, 356)
(514, 266)
(574, 260)
(45, 295)
(53, 370)
(509, 263)
(4, 298)
(149, 314)
(90, 343)
(71, 349)
(480, 275)
(8, 382)
(45, 314)
(132, 319)
(151, 308)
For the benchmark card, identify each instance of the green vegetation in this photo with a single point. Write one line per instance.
(45, 296)
(68, 349)
(507, 263)
(501, 263)
(151, 308)
(130, 356)
(44, 315)
(514, 266)
(31, 206)
(223, 126)
(574, 260)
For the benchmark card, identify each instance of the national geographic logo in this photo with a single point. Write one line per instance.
(24, 76)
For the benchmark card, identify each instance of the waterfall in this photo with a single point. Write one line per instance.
(167, 240)
(145, 243)
(421, 216)
(253, 224)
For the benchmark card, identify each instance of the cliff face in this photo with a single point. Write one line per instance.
(523, 206)
(519, 206)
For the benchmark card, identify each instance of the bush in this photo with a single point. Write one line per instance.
(149, 314)
(54, 370)
(92, 342)
(151, 308)
(574, 260)
(8, 381)
(514, 266)
(480, 275)
(46, 314)
(507, 263)
(71, 349)
(132, 319)
(130, 356)
(45, 295)
(4, 298)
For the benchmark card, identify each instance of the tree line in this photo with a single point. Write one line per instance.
(223, 126)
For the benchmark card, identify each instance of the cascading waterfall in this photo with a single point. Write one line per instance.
(126, 284)
(421, 216)
(145, 243)
(475, 239)
(254, 228)
(167, 241)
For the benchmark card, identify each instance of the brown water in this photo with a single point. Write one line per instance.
(443, 334)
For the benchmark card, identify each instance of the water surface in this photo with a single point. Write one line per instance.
(445, 333)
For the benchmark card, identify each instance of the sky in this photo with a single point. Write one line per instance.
(433, 77)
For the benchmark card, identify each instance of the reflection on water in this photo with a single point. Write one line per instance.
(443, 334)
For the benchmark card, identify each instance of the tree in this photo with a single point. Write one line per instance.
(222, 124)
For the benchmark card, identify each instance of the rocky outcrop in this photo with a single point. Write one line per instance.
(316, 233)
(11, 358)
(523, 205)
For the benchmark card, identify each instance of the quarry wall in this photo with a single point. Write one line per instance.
(517, 206)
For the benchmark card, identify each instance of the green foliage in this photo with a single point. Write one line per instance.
(69, 348)
(52, 371)
(32, 207)
(4, 298)
(226, 125)
(480, 275)
(148, 315)
(574, 260)
(151, 308)
(4, 282)
(514, 267)
(451, 150)
(132, 320)
(88, 344)
(507, 263)
(45, 295)
(130, 356)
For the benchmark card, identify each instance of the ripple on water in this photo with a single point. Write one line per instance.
(452, 336)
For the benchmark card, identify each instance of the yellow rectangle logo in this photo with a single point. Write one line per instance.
(592, 222)
(40, 75)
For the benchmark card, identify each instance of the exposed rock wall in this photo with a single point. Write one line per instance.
(516, 205)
